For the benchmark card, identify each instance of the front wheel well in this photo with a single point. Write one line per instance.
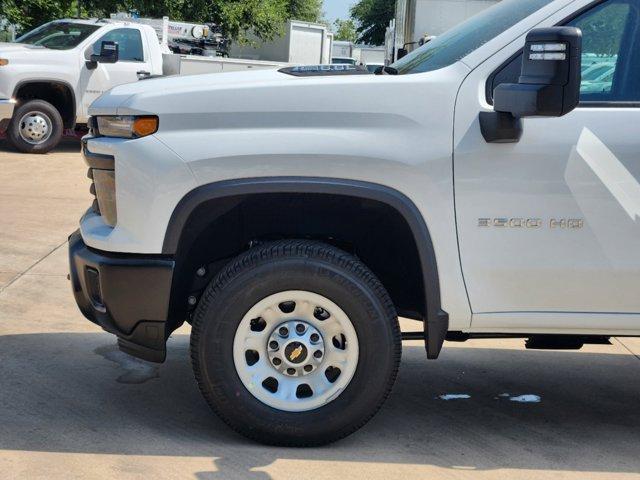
(220, 229)
(58, 94)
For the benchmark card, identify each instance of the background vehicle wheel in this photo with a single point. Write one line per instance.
(36, 127)
(295, 343)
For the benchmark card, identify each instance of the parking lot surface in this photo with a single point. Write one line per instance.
(73, 406)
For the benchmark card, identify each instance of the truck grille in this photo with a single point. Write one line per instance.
(103, 185)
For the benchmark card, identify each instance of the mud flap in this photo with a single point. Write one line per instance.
(435, 332)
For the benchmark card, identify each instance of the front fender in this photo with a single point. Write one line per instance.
(436, 320)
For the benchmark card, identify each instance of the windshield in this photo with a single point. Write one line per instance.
(457, 43)
(58, 35)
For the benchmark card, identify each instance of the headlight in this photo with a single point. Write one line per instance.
(127, 126)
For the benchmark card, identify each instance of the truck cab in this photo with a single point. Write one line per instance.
(48, 78)
(477, 187)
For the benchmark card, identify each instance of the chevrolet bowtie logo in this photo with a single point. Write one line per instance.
(295, 353)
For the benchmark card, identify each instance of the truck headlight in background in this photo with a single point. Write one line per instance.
(126, 126)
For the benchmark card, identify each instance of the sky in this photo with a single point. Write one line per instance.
(337, 9)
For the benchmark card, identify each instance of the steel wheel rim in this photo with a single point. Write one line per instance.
(331, 371)
(35, 128)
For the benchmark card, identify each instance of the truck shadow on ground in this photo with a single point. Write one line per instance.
(70, 392)
(67, 145)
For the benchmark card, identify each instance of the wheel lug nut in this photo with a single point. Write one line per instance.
(291, 371)
(300, 328)
(308, 368)
(283, 331)
(317, 354)
(276, 361)
(314, 337)
(273, 345)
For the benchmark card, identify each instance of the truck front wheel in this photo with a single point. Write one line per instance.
(295, 343)
(36, 127)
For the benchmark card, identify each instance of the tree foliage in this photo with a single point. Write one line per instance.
(28, 14)
(345, 30)
(373, 17)
(263, 17)
(307, 10)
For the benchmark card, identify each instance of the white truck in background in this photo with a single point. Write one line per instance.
(417, 21)
(345, 52)
(302, 43)
(51, 75)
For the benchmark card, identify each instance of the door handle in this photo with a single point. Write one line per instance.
(142, 74)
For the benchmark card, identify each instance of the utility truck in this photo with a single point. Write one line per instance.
(291, 216)
(51, 75)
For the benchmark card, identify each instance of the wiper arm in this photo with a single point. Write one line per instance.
(387, 71)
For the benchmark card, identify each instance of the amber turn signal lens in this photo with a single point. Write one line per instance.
(3, 62)
(143, 126)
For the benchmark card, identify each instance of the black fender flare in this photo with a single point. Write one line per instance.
(436, 321)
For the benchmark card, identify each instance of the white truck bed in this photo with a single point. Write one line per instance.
(174, 64)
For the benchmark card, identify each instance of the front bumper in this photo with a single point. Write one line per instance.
(6, 109)
(127, 295)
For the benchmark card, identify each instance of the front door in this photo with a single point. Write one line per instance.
(550, 226)
(132, 60)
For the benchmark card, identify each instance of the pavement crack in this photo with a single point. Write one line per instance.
(22, 274)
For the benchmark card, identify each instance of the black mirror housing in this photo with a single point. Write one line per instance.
(109, 53)
(549, 83)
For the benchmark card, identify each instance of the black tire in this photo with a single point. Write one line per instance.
(295, 265)
(44, 108)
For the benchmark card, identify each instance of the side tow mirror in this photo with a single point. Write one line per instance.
(109, 53)
(549, 84)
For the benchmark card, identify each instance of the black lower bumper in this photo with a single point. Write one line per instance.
(127, 295)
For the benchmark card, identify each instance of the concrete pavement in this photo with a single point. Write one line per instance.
(73, 406)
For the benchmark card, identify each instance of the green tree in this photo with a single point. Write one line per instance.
(307, 10)
(27, 14)
(345, 30)
(264, 18)
(237, 17)
(373, 17)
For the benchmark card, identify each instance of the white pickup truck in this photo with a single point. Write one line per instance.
(290, 216)
(48, 78)
(51, 75)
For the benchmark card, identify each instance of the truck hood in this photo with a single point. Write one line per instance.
(22, 54)
(274, 101)
(232, 83)
(6, 47)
